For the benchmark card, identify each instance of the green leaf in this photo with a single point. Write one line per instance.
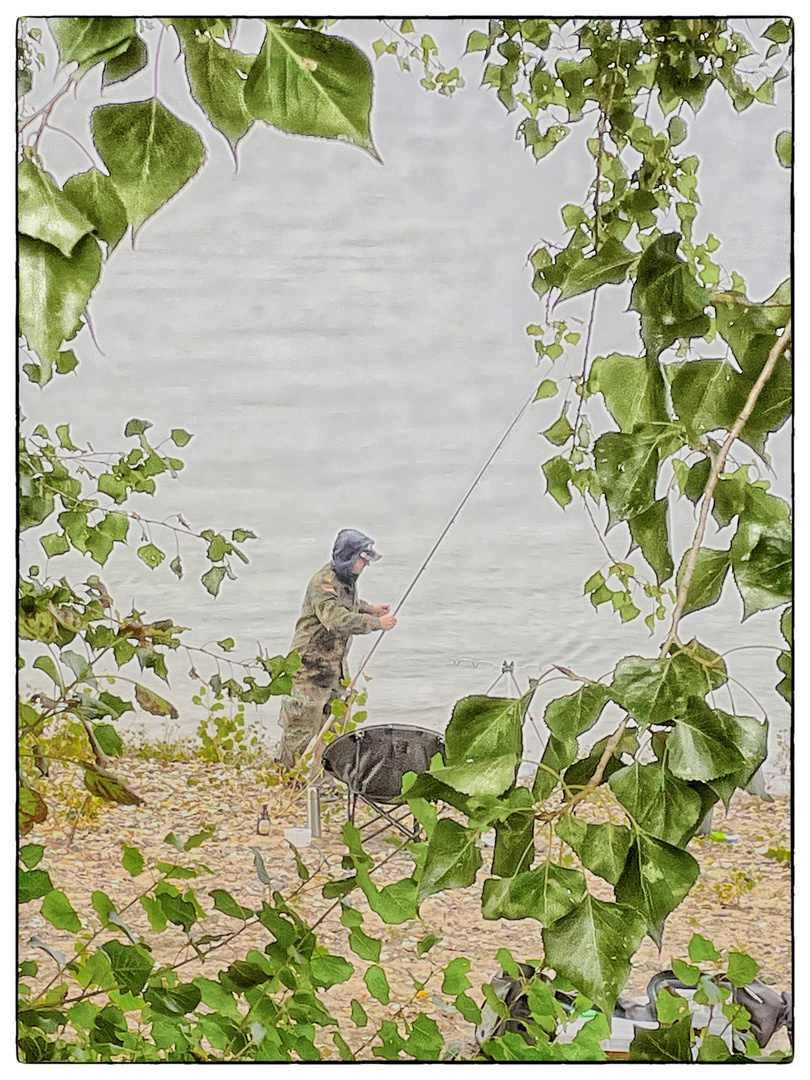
(514, 835)
(558, 472)
(571, 716)
(546, 893)
(54, 544)
(58, 911)
(547, 388)
(707, 743)
(557, 756)
(44, 663)
(94, 193)
(649, 531)
(708, 395)
(668, 297)
(31, 809)
(216, 77)
(654, 691)
(477, 42)
(778, 31)
(46, 213)
(762, 553)
(178, 911)
(633, 389)
(155, 913)
(310, 83)
(151, 555)
(131, 964)
(700, 949)
(180, 437)
(659, 802)
(483, 728)
(664, 1044)
(602, 848)
(132, 860)
(212, 579)
(741, 968)
(150, 154)
(560, 431)
(455, 979)
(707, 581)
(713, 1048)
(108, 739)
(359, 1014)
(124, 64)
(425, 1041)
(367, 948)
(377, 984)
(104, 906)
(627, 468)
(31, 855)
(53, 294)
(329, 971)
(451, 861)
(610, 264)
(592, 945)
(784, 149)
(656, 878)
(89, 41)
(32, 884)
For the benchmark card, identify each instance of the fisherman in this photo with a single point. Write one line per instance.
(330, 615)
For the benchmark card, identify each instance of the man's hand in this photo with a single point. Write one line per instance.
(387, 622)
(379, 609)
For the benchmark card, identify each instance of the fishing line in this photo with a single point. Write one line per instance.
(446, 529)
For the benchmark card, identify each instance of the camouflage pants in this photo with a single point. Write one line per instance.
(302, 716)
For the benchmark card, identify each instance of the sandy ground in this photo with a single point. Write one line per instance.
(742, 899)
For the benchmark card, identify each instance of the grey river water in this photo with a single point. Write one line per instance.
(347, 343)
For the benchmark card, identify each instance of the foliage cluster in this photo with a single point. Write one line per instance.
(675, 410)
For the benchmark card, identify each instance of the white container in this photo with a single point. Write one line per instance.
(298, 837)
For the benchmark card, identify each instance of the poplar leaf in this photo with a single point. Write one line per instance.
(94, 193)
(377, 983)
(59, 912)
(707, 581)
(592, 945)
(90, 40)
(310, 83)
(150, 154)
(546, 894)
(452, 859)
(659, 802)
(655, 880)
(632, 387)
(53, 294)
(46, 213)
(216, 77)
(610, 264)
(707, 743)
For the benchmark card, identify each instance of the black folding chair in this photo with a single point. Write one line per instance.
(372, 761)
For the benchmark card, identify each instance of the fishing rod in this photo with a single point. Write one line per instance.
(317, 739)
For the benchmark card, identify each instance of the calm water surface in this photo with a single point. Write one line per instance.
(347, 343)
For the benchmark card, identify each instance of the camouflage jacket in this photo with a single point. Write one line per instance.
(330, 615)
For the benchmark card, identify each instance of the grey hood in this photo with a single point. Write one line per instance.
(350, 543)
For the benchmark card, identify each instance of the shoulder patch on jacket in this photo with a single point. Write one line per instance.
(328, 588)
